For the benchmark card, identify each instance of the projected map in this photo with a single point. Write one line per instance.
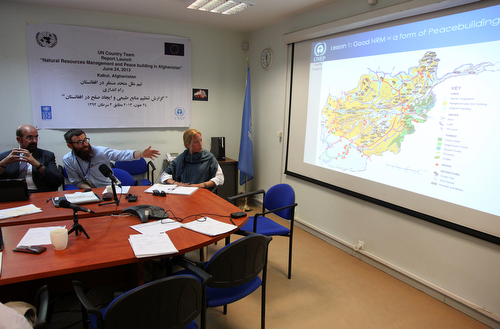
(376, 115)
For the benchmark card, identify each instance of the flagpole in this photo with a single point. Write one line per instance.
(245, 207)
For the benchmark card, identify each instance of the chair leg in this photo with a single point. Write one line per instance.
(263, 301)
(224, 309)
(290, 259)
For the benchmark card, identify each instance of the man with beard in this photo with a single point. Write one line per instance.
(82, 163)
(27, 161)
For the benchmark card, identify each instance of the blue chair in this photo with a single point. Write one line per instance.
(65, 186)
(124, 177)
(138, 167)
(280, 200)
(171, 302)
(234, 272)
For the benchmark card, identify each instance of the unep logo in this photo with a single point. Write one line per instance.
(179, 112)
(320, 49)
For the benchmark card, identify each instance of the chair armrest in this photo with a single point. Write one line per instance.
(153, 168)
(244, 233)
(78, 287)
(275, 210)
(244, 195)
(188, 264)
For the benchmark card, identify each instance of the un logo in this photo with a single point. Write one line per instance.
(179, 112)
(320, 49)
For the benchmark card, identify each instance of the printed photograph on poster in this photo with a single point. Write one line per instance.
(200, 95)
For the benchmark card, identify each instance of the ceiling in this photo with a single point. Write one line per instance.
(264, 13)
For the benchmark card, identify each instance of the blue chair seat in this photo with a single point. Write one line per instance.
(265, 226)
(223, 296)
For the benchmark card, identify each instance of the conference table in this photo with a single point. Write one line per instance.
(107, 255)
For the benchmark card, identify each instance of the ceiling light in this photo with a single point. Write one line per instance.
(226, 7)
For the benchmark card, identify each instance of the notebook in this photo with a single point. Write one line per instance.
(13, 190)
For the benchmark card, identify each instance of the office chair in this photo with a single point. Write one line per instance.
(280, 200)
(42, 306)
(124, 177)
(235, 273)
(65, 186)
(171, 302)
(138, 167)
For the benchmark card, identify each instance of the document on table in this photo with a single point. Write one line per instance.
(159, 226)
(37, 236)
(19, 211)
(172, 189)
(148, 245)
(82, 197)
(209, 226)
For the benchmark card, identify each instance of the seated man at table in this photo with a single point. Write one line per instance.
(195, 166)
(27, 161)
(82, 163)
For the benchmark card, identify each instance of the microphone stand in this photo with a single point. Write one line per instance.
(115, 196)
(76, 226)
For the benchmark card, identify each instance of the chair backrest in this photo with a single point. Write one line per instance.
(124, 177)
(42, 305)
(134, 167)
(65, 185)
(238, 262)
(171, 302)
(278, 196)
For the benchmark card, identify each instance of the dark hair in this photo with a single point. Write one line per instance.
(72, 132)
(19, 132)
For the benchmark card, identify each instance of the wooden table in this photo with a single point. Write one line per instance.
(108, 252)
(50, 212)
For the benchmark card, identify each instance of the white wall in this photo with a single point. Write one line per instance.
(218, 64)
(450, 263)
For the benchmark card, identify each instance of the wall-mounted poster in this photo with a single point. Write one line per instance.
(95, 78)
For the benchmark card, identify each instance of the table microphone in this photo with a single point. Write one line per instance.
(66, 204)
(107, 172)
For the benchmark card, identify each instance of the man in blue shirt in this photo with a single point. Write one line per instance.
(82, 163)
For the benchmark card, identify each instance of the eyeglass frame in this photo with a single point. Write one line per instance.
(31, 138)
(80, 142)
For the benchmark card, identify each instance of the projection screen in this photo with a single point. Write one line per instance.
(404, 114)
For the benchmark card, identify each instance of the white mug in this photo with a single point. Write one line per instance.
(59, 238)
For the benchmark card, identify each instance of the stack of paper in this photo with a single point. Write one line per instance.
(148, 245)
(172, 189)
(82, 197)
(159, 226)
(37, 236)
(209, 226)
(19, 211)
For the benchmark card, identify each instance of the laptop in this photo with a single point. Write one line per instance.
(13, 190)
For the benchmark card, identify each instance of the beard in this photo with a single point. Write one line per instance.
(84, 154)
(32, 147)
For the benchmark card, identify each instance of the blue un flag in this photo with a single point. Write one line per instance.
(245, 159)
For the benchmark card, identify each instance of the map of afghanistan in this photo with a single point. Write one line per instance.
(376, 115)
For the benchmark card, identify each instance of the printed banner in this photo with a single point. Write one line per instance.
(94, 78)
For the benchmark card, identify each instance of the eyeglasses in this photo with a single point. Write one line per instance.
(31, 138)
(80, 142)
